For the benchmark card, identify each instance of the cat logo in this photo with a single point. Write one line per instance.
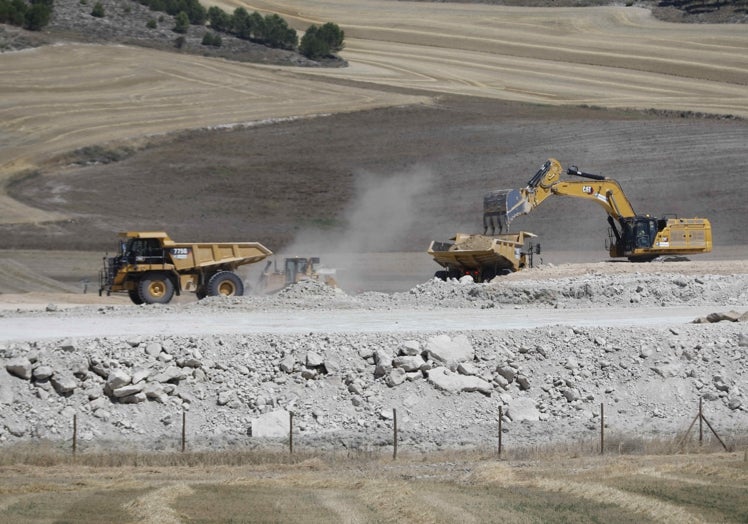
(587, 189)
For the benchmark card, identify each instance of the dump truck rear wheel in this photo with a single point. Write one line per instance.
(135, 297)
(225, 283)
(156, 288)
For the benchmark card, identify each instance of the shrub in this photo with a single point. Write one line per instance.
(37, 16)
(98, 10)
(312, 46)
(278, 34)
(319, 42)
(332, 35)
(151, 24)
(179, 42)
(13, 12)
(212, 39)
(219, 19)
(181, 23)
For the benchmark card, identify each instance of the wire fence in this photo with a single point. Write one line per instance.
(620, 445)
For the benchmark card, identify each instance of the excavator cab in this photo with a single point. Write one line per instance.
(637, 233)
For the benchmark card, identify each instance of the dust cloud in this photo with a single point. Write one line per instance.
(383, 214)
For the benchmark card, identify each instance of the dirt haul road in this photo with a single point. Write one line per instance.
(56, 99)
(311, 321)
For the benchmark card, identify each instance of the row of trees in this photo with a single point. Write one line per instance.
(271, 30)
(196, 13)
(32, 16)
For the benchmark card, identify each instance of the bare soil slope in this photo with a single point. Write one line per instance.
(393, 179)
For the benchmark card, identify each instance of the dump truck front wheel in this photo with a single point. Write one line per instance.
(225, 283)
(135, 297)
(156, 288)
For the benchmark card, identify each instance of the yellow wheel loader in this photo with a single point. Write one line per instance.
(150, 267)
(295, 269)
(637, 237)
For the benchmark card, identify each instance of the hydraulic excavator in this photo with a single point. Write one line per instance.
(639, 238)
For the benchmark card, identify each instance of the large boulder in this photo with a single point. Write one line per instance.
(118, 378)
(6, 389)
(446, 380)
(450, 351)
(64, 383)
(383, 361)
(20, 367)
(409, 363)
(272, 424)
(523, 408)
(43, 372)
(170, 374)
(130, 389)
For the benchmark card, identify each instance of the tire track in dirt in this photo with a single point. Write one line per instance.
(18, 278)
(156, 506)
(340, 504)
(450, 510)
(658, 510)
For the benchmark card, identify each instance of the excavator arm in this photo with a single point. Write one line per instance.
(603, 191)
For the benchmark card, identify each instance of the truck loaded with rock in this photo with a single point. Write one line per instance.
(237, 389)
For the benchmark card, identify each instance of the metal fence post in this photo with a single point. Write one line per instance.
(394, 437)
(290, 432)
(602, 429)
(184, 430)
(501, 416)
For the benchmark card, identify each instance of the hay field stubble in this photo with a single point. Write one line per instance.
(452, 488)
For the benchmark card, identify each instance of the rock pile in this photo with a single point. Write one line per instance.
(238, 390)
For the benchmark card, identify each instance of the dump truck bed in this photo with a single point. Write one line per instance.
(195, 255)
(473, 252)
(186, 256)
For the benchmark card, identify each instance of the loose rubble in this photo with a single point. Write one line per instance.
(344, 388)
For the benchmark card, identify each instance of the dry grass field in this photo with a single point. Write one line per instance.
(443, 488)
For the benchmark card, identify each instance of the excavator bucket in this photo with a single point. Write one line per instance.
(516, 204)
(500, 207)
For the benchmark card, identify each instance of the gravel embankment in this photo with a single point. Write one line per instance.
(447, 386)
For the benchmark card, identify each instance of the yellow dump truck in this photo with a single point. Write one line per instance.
(484, 257)
(150, 267)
